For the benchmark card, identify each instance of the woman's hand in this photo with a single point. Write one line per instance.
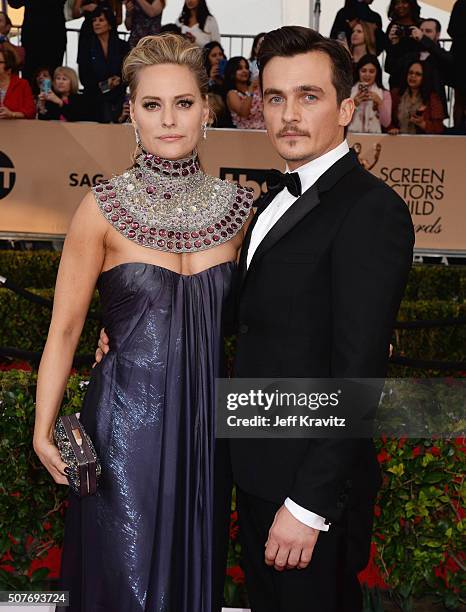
(51, 460)
(393, 35)
(393, 131)
(213, 75)
(114, 81)
(360, 97)
(420, 122)
(375, 98)
(6, 113)
(129, 6)
(51, 96)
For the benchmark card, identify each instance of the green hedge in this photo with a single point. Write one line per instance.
(27, 323)
(39, 269)
(419, 520)
(30, 268)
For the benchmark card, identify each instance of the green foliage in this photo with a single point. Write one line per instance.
(30, 268)
(28, 322)
(421, 520)
(31, 503)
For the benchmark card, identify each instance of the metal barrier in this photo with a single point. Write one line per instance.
(234, 44)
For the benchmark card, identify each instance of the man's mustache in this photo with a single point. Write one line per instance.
(291, 130)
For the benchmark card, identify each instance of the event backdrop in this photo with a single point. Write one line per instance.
(46, 169)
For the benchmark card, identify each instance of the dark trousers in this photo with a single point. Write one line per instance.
(328, 584)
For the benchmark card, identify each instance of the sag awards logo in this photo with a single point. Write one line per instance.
(423, 189)
(7, 175)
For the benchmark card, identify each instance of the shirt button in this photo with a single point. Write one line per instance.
(243, 328)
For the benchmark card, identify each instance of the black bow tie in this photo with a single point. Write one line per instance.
(276, 181)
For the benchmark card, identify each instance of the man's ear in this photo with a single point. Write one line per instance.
(346, 112)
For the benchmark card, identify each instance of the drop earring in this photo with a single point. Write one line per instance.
(138, 137)
(204, 131)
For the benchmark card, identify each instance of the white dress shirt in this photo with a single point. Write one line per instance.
(308, 173)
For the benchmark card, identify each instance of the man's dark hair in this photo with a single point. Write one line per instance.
(289, 41)
(438, 25)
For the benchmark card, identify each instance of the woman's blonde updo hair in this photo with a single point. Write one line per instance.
(164, 49)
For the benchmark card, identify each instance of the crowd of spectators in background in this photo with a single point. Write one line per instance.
(419, 68)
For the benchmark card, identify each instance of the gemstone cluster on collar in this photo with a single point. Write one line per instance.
(173, 205)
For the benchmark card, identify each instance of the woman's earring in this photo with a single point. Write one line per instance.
(138, 136)
(204, 131)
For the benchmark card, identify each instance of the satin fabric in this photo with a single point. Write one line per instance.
(144, 541)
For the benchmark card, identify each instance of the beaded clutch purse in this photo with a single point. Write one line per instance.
(78, 452)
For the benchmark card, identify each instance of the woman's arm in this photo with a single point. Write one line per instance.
(211, 26)
(239, 105)
(433, 116)
(152, 9)
(81, 263)
(385, 109)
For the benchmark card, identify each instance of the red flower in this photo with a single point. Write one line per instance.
(416, 451)
(435, 450)
(383, 456)
(377, 510)
(371, 574)
(417, 519)
(461, 444)
(236, 574)
(402, 521)
(402, 441)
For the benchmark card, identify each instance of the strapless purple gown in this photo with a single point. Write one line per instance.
(144, 541)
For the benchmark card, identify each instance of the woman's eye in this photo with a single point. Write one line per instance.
(185, 103)
(150, 105)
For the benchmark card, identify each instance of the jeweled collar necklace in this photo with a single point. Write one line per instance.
(172, 205)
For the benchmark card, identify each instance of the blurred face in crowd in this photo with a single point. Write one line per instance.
(357, 35)
(367, 74)
(215, 56)
(169, 110)
(301, 112)
(62, 84)
(429, 29)
(415, 74)
(192, 4)
(4, 27)
(242, 72)
(100, 25)
(41, 75)
(402, 8)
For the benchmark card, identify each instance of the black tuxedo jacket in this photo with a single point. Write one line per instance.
(319, 300)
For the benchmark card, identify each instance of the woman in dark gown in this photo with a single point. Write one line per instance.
(161, 241)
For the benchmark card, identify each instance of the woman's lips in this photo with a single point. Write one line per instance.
(170, 137)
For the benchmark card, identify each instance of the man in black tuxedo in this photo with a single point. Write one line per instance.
(323, 269)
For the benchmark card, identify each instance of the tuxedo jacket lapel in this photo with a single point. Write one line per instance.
(287, 221)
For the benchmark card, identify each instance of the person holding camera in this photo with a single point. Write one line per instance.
(401, 44)
(100, 60)
(373, 103)
(62, 102)
(416, 108)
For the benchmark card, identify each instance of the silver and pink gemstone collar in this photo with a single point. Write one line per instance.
(173, 206)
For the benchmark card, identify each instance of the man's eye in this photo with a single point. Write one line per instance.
(275, 100)
(310, 98)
